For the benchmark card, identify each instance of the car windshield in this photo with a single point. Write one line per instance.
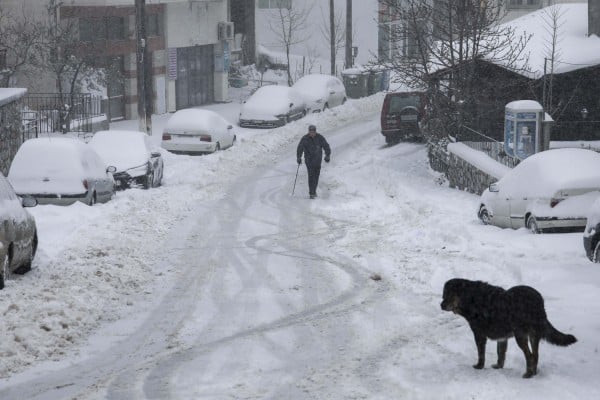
(194, 121)
(397, 103)
(51, 159)
(120, 149)
(311, 84)
(269, 96)
(572, 171)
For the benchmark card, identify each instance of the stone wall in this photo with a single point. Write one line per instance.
(465, 176)
(11, 136)
(460, 173)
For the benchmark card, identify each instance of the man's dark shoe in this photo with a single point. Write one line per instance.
(312, 196)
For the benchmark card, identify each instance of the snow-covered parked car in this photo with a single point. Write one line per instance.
(591, 234)
(272, 106)
(136, 159)
(550, 190)
(321, 91)
(18, 232)
(197, 131)
(61, 171)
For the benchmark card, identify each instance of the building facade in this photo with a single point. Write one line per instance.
(189, 44)
(312, 39)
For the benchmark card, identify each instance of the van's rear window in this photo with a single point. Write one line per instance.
(397, 103)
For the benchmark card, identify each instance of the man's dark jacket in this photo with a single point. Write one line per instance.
(313, 148)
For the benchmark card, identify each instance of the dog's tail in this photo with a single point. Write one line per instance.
(556, 337)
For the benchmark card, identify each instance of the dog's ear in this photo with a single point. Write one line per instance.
(447, 288)
(453, 285)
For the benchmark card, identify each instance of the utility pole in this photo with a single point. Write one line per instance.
(332, 35)
(544, 106)
(349, 34)
(144, 70)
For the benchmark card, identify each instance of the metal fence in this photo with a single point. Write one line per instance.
(576, 130)
(51, 112)
(486, 144)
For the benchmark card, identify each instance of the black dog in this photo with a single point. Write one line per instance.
(499, 314)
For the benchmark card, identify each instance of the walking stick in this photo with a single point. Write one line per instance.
(296, 178)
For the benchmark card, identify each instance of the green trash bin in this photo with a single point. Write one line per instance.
(356, 82)
(374, 82)
(238, 82)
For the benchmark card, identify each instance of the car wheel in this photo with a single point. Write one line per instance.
(23, 269)
(92, 199)
(532, 225)
(326, 106)
(4, 270)
(218, 146)
(484, 216)
(596, 253)
(344, 101)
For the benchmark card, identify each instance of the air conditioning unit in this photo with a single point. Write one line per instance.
(225, 31)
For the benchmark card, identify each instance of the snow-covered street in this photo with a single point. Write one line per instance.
(221, 284)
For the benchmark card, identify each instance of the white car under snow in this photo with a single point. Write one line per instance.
(197, 131)
(550, 190)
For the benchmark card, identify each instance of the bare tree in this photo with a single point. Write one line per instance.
(553, 23)
(288, 24)
(63, 55)
(19, 35)
(439, 43)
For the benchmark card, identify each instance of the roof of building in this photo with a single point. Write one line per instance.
(574, 48)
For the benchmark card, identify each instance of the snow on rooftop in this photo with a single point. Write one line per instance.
(575, 49)
(530, 105)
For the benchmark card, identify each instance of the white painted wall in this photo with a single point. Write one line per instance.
(191, 24)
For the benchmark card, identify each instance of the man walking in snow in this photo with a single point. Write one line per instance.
(312, 145)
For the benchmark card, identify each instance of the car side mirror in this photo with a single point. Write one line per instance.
(29, 201)
(229, 127)
(494, 187)
(111, 169)
(332, 92)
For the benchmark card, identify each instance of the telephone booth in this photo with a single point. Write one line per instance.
(523, 128)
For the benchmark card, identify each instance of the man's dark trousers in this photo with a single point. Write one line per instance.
(313, 178)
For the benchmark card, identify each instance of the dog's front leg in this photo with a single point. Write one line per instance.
(502, 344)
(480, 341)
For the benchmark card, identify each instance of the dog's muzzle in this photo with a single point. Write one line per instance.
(447, 305)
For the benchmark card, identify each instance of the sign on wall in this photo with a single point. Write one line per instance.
(172, 64)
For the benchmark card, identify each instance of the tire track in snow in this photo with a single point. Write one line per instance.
(158, 380)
